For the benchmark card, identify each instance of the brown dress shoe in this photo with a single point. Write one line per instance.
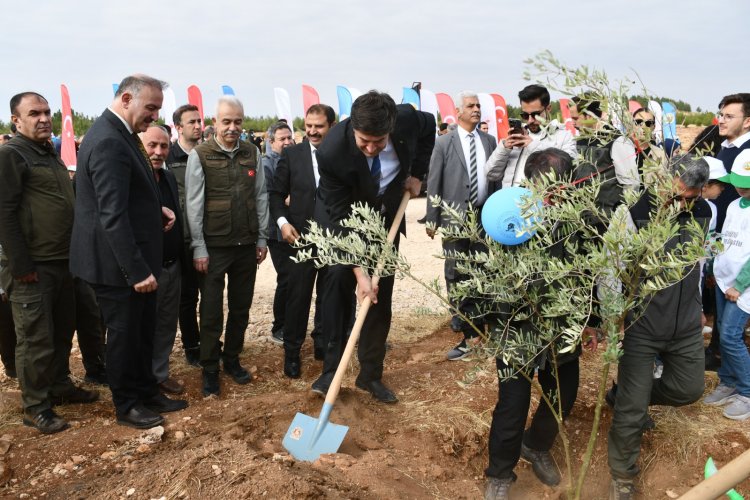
(172, 386)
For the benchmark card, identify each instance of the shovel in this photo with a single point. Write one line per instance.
(307, 438)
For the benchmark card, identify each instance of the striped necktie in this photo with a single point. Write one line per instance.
(473, 182)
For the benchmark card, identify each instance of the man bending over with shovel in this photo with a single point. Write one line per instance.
(371, 157)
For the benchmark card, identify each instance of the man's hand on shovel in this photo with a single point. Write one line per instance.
(364, 286)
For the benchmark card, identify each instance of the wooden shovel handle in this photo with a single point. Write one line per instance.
(333, 391)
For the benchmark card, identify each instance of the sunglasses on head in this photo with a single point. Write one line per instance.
(648, 123)
(533, 114)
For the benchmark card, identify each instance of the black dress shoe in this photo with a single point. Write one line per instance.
(378, 390)
(292, 365)
(140, 417)
(193, 356)
(235, 370)
(46, 422)
(162, 404)
(77, 395)
(211, 383)
(321, 385)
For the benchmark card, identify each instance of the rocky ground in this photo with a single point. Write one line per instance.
(432, 444)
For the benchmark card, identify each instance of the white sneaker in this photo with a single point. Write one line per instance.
(739, 408)
(722, 395)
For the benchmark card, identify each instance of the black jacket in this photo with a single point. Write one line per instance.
(117, 232)
(295, 178)
(345, 175)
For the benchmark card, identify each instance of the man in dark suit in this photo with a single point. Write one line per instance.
(457, 176)
(297, 178)
(156, 143)
(372, 157)
(117, 245)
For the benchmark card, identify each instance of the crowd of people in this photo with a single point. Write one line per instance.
(152, 233)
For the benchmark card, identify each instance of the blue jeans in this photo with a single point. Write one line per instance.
(735, 360)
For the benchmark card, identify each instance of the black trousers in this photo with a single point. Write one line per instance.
(90, 329)
(7, 337)
(189, 288)
(469, 307)
(338, 312)
(281, 252)
(509, 418)
(130, 318)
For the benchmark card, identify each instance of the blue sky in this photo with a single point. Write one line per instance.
(689, 50)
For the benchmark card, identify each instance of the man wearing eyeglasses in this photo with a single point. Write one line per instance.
(538, 132)
(734, 127)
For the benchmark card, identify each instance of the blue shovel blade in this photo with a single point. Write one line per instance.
(308, 438)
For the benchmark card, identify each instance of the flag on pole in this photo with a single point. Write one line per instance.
(283, 106)
(196, 99)
(68, 150)
(410, 97)
(309, 97)
(446, 107)
(487, 104)
(669, 120)
(115, 87)
(655, 108)
(227, 90)
(501, 116)
(167, 110)
(345, 102)
(428, 103)
(634, 106)
(567, 120)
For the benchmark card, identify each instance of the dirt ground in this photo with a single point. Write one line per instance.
(432, 444)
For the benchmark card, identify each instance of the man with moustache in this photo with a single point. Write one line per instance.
(187, 121)
(227, 212)
(372, 157)
(297, 178)
(156, 142)
(279, 138)
(457, 175)
(117, 245)
(35, 253)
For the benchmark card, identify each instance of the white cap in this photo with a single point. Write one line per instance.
(715, 168)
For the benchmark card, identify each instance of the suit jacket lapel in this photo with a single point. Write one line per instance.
(130, 140)
(456, 142)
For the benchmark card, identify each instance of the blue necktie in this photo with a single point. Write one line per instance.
(375, 171)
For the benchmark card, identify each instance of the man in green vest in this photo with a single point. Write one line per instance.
(36, 221)
(226, 204)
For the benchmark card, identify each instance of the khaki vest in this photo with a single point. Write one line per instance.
(230, 217)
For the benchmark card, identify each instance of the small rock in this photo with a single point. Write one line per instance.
(153, 435)
(672, 494)
(144, 448)
(23, 495)
(284, 458)
(130, 492)
(392, 431)
(179, 435)
(217, 470)
(77, 459)
(108, 455)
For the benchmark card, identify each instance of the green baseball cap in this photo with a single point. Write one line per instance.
(740, 174)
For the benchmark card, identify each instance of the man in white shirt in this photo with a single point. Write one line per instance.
(507, 163)
(292, 203)
(457, 175)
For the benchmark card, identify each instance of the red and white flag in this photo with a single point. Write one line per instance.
(196, 99)
(446, 107)
(309, 97)
(68, 150)
(501, 116)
